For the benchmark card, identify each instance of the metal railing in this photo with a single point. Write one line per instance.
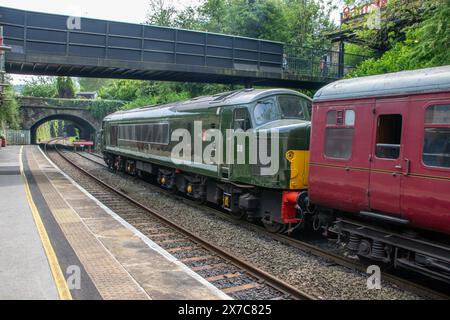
(318, 62)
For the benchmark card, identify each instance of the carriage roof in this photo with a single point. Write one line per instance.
(244, 96)
(391, 84)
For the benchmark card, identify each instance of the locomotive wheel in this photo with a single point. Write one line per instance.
(274, 227)
(238, 215)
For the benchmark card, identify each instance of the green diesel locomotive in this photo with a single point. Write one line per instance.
(246, 151)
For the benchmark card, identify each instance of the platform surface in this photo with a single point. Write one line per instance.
(24, 269)
(99, 255)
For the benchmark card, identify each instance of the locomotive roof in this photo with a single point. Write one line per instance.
(391, 84)
(222, 99)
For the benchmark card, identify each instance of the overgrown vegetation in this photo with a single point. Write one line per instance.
(65, 87)
(101, 108)
(298, 22)
(413, 35)
(55, 129)
(9, 109)
(44, 87)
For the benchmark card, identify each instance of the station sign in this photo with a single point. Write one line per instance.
(349, 13)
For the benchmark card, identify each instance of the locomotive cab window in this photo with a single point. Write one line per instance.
(339, 134)
(389, 136)
(281, 107)
(266, 111)
(293, 107)
(436, 150)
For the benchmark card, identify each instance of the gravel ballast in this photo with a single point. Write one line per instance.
(307, 272)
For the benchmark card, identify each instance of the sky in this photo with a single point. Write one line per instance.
(100, 9)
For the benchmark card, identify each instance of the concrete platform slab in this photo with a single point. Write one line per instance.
(119, 261)
(24, 269)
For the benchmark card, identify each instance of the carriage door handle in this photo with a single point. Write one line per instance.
(399, 167)
(408, 167)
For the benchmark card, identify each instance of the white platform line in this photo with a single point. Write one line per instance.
(144, 238)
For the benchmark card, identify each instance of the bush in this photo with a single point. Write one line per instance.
(44, 87)
(9, 115)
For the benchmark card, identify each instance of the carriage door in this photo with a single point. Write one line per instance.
(236, 118)
(226, 123)
(387, 160)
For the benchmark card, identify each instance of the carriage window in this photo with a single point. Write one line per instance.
(155, 133)
(349, 118)
(331, 117)
(113, 136)
(339, 134)
(339, 142)
(389, 136)
(439, 114)
(436, 149)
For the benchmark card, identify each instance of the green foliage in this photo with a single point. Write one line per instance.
(44, 87)
(155, 100)
(417, 44)
(396, 59)
(55, 128)
(144, 93)
(9, 110)
(92, 84)
(65, 87)
(298, 22)
(431, 40)
(101, 108)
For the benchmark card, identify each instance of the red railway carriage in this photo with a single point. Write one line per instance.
(380, 149)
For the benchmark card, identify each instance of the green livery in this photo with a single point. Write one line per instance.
(143, 140)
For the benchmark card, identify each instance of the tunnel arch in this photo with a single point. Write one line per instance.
(87, 129)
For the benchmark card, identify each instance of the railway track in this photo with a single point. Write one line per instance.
(235, 277)
(347, 262)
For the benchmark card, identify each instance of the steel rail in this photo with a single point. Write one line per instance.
(270, 280)
(317, 251)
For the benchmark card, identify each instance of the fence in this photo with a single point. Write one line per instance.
(316, 62)
(16, 137)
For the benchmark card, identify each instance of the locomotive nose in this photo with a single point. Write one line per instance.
(295, 137)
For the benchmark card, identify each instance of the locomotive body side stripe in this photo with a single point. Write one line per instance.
(416, 175)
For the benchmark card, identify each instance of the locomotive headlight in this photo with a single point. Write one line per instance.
(290, 156)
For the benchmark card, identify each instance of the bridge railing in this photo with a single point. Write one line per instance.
(318, 63)
(57, 35)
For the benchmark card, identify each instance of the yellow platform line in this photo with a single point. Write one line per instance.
(58, 276)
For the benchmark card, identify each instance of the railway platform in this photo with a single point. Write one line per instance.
(58, 242)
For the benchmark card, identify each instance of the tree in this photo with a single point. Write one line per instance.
(66, 87)
(9, 108)
(44, 87)
(91, 84)
(161, 13)
(431, 40)
(416, 45)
